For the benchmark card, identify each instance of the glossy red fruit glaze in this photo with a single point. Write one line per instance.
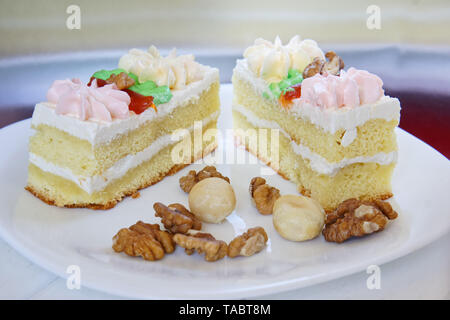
(286, 99)
(139, 103)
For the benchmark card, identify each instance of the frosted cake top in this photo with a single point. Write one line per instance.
(173, 71)
(272, 61)
(300, 70)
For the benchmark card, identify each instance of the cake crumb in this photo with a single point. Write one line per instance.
(136, 195)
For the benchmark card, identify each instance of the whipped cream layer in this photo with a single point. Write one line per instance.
(331, 119)
(119, 169)
(98, 132)
(316, 161)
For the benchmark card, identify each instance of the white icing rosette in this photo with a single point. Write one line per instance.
(174, 71)
(272, 61)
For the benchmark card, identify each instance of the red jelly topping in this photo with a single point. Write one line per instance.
(100, 82)
(138, 104)
(286, 99)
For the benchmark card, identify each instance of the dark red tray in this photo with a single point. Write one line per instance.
(426, 116)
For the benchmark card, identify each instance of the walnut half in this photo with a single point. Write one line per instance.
(122, 80)
(145, 240)
(176, 218)
(333, 65)
(355, 218)
(263, 195)
(248, 243)
(313, 68)
(187, 182)
(203, 243)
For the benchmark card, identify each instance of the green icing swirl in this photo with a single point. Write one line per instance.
(160, 94)
(105, 74)
(148, 88)
(277, 88)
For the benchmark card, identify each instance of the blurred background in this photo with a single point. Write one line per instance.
(39, 26)
(406, 42)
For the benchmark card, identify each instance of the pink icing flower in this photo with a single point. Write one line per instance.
(76, 99)
(320, 91)
(370, 86)
(350, 89)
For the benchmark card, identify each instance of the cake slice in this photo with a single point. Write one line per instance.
(95, 144)
(336, 128)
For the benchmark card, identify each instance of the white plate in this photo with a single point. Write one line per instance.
(56, 238)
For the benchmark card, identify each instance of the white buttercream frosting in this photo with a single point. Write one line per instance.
(174, 71)
(330, 120)
(316, 161)
(323, 166)
(272, 61)
(116, 171)
(98, 132)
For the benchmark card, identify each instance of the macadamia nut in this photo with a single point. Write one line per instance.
(298, 218)
(212, 200)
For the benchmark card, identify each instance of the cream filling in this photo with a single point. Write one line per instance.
(97, 132)
(330, 120)
(316, 161)
(120, 168)
(349, 136)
